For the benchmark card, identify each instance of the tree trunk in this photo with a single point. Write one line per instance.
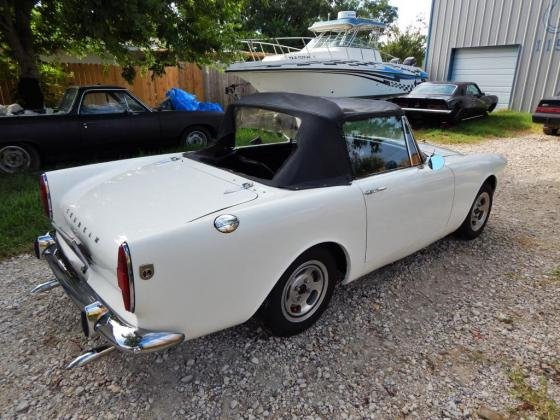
(15, 24)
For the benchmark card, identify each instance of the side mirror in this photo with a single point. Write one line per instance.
(436, 162)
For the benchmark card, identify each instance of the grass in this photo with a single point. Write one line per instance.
(497, 125)
(21, 214)
(535, 400)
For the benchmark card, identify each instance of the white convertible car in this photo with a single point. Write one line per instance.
(299, 193)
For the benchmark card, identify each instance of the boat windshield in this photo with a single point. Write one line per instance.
(350, 39)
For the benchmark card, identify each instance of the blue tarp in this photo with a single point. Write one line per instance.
(184, 101)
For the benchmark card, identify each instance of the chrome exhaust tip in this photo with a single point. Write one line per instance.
(43, 287)
(90, 356)
(42, 243)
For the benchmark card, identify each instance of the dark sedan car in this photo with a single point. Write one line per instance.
(548, 113)
(446, 101)
(95, 121)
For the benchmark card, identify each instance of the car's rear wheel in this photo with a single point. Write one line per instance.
(302, 293)
(196, 137)
(476, 220)
(17, 158)
(551, 131)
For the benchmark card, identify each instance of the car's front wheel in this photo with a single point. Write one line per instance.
(302, 293)
(476, 220)
(16, 158)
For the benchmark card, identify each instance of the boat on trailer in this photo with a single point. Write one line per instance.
(341, 60)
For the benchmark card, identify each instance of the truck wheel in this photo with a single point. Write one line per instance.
(195, 137)
(476, 220)
(551, 131)
(16, 158)
(302, 293)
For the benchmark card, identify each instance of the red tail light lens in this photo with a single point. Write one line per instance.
(125, 276)
(548, 109)
(45, 195)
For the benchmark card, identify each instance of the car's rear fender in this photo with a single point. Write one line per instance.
(205, 280)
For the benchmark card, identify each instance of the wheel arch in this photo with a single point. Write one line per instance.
(338, 251)
(492, 180)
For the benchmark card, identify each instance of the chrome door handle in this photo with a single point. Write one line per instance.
(376, 190)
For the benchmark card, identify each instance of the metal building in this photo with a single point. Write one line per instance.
(511, 48)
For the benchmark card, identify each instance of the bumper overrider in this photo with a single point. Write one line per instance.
(97, 318)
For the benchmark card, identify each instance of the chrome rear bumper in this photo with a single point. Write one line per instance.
(98, 318)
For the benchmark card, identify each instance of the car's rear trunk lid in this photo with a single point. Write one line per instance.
(147, 200)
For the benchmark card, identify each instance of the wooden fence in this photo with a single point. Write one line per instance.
(208, 83)
(216, 81)
(148, 88)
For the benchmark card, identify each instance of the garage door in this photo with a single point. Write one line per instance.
(492, 68)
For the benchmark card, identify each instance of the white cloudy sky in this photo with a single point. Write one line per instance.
(409, 10)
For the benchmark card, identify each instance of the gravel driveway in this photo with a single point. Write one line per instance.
(433, 335)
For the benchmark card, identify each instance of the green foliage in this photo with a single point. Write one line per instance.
(281, 18)
(535, 400)
(21, 215)
(410, 43)
(146, 33)
(497, 125)
(54, 80)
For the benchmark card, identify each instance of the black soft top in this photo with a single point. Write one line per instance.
(321, 157)
(331, 108)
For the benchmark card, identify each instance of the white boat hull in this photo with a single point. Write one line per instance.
(335, 82)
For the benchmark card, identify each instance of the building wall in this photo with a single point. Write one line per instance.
(534, 25)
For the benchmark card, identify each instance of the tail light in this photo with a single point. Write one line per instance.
(548, 109)
(125, 276)
(45, 195)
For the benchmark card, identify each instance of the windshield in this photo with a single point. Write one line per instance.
(260, 126)
(434, 89)
(67, 100)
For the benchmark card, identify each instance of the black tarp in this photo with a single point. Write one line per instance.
(321, 158)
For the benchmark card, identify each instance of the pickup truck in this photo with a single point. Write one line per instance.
(99, 121)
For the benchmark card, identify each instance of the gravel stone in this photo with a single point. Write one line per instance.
(421, 338)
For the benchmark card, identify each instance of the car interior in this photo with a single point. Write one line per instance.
(264, 140)
(259, 161)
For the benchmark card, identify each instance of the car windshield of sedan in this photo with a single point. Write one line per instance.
(434, 89)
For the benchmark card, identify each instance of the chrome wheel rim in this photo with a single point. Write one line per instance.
(13, 159)
(196, 138)
(304, 291)
(480, 211)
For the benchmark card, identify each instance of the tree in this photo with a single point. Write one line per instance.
(149, 33)
(410, 43)
(281, 18)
